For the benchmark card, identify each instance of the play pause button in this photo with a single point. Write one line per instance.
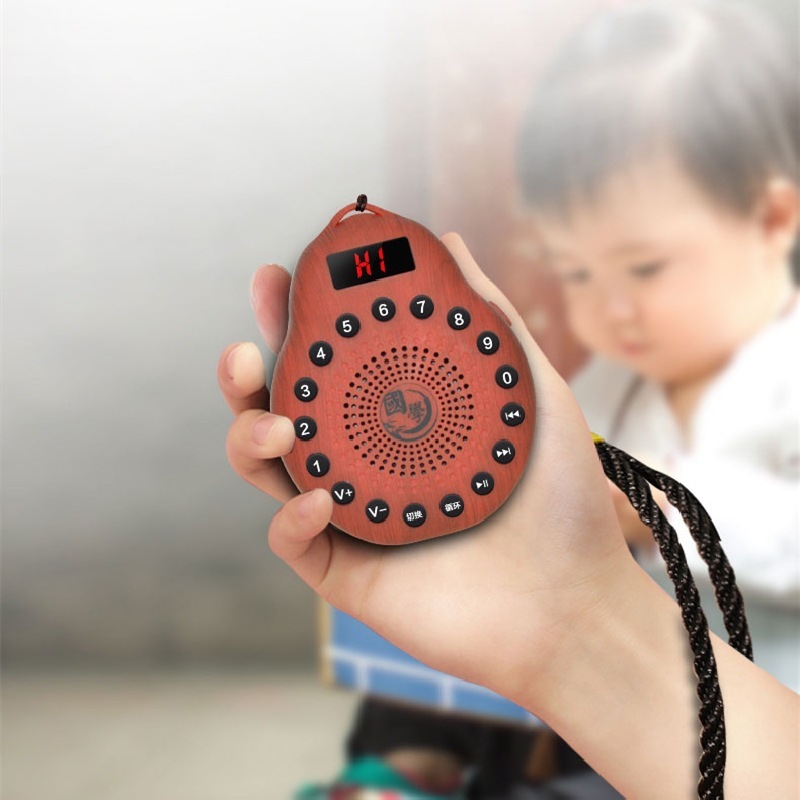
(482, 483)
(503, 452)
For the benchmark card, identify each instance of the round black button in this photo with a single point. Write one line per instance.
(421, 306)
(488, 343)
(506, 376)
(512, 414)
(383, 309)
(321, 353)
(305, 428)
(343, 493)
(318, 464)
(458, 318)
(503, 452)
(451, 505)
(377, 510)
(305, 389)
(347, 325)
(482, 483)
(414, 515)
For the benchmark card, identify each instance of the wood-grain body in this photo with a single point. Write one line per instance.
(403, 351)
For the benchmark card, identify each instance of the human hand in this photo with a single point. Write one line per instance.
(515, 590)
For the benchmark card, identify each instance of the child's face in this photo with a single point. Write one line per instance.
(659, 277)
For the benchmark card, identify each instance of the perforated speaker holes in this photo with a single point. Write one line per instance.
(376, 384)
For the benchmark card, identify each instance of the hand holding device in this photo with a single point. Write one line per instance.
(547, 560)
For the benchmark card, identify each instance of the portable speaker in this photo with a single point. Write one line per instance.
(411, 397)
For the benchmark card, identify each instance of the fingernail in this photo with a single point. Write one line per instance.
(243, 361)
(253, 283)
(253, 289)
(230, 360)
(267, 425)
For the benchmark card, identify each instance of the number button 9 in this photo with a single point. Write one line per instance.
(488, 343)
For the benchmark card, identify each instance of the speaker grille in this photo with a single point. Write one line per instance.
(399, 366)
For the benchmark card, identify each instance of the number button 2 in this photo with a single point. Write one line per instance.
(305, 428)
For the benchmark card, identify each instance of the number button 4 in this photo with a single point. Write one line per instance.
(321, 353)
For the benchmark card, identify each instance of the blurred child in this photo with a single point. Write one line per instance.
(669, 213)
(660, 158)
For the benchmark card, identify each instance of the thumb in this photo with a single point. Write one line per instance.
(544, 374)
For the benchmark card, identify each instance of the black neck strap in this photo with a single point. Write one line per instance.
(634, 478)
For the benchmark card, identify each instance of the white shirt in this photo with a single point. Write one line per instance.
(744, 461)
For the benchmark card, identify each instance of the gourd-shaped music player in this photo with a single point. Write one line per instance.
(411, 397)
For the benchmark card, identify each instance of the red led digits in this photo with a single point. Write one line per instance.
(362, 265)
(353, 267)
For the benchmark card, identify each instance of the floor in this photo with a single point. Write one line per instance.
(208, 736)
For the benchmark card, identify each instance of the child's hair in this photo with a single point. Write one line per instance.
(712, 82)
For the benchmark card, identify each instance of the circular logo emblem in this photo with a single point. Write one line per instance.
(408, 411)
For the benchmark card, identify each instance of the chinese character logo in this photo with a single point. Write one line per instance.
(394, 402)
(408, 411)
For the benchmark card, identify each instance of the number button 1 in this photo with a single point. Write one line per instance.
(318, 464)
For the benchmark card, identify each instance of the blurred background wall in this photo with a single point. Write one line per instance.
(154, 154)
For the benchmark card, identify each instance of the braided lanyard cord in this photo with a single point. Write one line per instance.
(632, 477)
